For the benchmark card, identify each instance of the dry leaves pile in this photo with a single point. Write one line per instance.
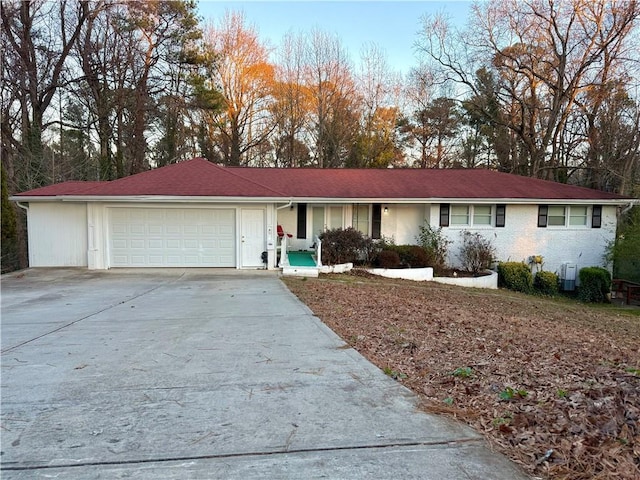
(553, 384)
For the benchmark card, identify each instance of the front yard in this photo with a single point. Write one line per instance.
(553, 384)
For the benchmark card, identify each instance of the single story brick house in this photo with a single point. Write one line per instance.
(199, 214)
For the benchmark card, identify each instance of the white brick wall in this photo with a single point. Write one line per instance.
(521, 238)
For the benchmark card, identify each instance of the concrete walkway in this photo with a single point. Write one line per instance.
(185, 374)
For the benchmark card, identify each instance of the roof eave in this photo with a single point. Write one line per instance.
(325, 200)
(147, 199)
(521, 201)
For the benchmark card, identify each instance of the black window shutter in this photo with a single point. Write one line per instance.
(501, 213)
(543, 210)
(302, 221)
(376, 220)
(596, 216)
(444, 214)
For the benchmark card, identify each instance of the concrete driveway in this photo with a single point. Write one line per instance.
(182, 374)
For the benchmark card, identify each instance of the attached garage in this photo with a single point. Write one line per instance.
(172, 237)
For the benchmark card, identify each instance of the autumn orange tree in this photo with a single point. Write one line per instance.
(376, 144)
(246, 80)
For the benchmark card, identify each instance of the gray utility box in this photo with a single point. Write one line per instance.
(568, 277)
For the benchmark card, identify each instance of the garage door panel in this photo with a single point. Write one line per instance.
(119, 228)
(172, 237)
(191, 244)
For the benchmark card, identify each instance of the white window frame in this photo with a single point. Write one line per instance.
(483, 215)
(356, 221)
(470, 215)
(453, 216)
(583, 217)
(551, 214)
(570, 216)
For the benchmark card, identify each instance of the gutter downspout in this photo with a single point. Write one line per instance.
(24, 207)
(629, 207)
(285, 206)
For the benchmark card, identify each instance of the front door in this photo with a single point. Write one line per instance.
(252, 237)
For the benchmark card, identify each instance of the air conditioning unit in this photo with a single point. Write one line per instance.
(568, 276)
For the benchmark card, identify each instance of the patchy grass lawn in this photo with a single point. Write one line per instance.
(553, 384)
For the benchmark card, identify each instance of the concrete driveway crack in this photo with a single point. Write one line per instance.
(285, 451)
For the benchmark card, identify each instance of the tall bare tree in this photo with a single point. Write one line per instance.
(291, 106)
(546, 54)
(334, 99)
(39, 36)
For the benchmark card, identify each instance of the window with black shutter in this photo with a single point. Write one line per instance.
(596, 216)
(501, 213)
(376, 221)
(302, 221)
(444, 214)
(543, 211)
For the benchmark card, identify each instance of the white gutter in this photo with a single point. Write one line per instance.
(285, 206)
(24, 207)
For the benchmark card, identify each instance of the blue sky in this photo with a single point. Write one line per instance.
(391, 25)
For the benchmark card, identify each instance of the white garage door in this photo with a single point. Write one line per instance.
(172, 237)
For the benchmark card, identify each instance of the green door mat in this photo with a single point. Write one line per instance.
(301, 259)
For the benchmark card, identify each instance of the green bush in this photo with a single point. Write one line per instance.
(388, 259)
(515, 276)
(546, 283)
(595, 284)
(476, 253)
(345, 245)
(418, 257)
(436, 244)
(624, 253)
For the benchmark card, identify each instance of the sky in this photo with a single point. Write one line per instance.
(392, 25)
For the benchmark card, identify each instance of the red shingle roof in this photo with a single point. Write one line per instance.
(199, 177)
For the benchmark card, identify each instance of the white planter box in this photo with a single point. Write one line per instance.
(486, 281)
(418, 274)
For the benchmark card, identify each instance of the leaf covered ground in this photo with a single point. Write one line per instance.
(553, 384)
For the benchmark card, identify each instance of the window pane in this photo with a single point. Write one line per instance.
(335, 217)
(318, 221)
(578, 216)
(482, 214)
(556, 216)
(459, 215)
(361, 218)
